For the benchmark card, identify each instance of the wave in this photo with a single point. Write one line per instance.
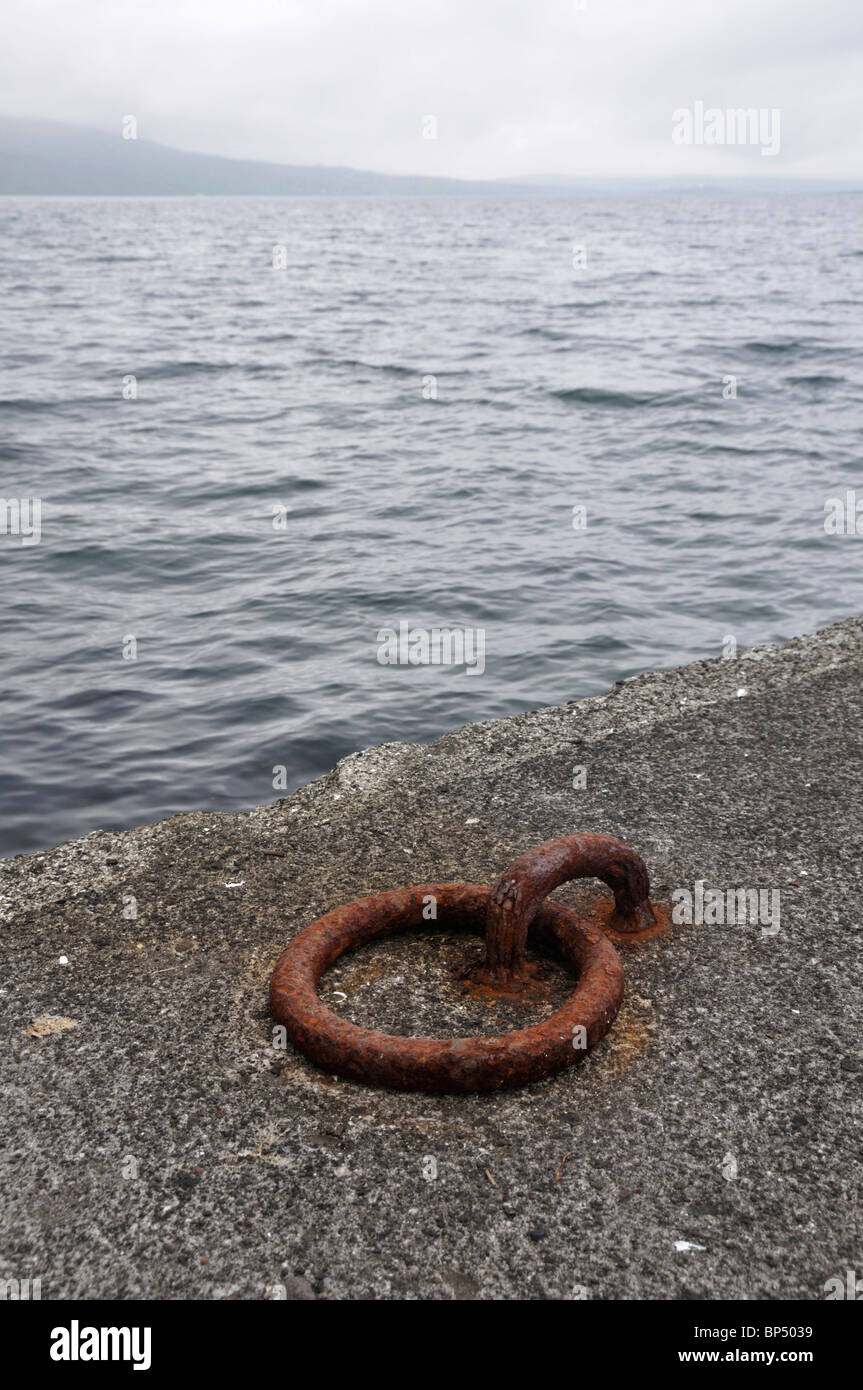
(599, 395)
(816, 379)
(354, 364)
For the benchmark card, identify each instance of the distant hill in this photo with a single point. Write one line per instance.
(53, 157)
(56, 157)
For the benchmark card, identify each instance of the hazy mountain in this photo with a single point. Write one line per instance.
(54, 157)
(729, 183)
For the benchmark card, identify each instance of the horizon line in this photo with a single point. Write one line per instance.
(847, 182)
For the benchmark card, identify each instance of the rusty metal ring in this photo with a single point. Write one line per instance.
(440, 1064)
(505, 913)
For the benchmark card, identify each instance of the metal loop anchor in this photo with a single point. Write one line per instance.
(505, 913)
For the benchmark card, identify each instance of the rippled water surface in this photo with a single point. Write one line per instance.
(303, 388)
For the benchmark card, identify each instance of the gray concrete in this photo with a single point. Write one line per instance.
(735, 1051)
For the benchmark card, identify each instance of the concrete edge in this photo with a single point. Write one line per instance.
(636, 703)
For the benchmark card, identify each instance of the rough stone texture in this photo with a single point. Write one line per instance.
(151, 1051)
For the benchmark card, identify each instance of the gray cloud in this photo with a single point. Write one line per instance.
(516, 86)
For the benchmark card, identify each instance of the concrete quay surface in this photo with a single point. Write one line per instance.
(158, 1143)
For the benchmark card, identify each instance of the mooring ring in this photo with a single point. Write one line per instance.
(443, 1064)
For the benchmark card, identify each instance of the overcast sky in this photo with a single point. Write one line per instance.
(516, 86)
